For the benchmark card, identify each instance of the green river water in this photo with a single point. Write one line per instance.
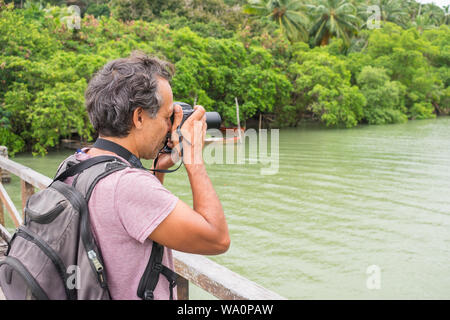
(341, 201)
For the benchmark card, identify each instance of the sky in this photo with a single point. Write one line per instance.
(438, 2)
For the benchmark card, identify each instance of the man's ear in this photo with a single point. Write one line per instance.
(138, 117)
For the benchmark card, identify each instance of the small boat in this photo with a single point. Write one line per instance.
(229, 135)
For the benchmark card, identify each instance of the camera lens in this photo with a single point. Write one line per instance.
(213, 119)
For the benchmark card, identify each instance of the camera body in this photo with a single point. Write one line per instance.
(213, 120)
(187, 111)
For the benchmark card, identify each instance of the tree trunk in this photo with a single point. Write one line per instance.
(325, 39)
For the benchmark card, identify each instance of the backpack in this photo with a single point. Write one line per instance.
(53, 255)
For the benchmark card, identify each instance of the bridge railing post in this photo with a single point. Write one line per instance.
(27, 190)
(182, 288)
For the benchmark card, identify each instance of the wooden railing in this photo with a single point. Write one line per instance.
(201, 271)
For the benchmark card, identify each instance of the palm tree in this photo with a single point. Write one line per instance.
(435, 14)
(286, 13)
(412, 7)
(333, 18)
(423, 22)
(446, 18)
(390, 10)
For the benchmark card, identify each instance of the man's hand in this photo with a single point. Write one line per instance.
(193, 137)
(203, 229)
(193, 140)
(167, 160)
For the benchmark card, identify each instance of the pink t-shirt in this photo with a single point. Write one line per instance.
(125, 208)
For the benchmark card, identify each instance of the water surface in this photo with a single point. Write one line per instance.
(342, 200)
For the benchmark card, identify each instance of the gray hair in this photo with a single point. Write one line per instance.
(120, 87)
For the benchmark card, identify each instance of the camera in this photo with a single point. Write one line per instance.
(213, 120)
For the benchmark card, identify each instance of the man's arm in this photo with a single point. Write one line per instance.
(159, 175)
(203, 229)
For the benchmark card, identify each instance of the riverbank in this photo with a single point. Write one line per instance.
(390, 74)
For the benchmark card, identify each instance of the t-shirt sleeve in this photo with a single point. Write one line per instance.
(142, 203)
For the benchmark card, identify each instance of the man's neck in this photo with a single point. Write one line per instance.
(123, 142)
(126, 143)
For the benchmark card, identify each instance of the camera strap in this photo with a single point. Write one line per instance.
(180, 138)
(131, 158)
(119, 150)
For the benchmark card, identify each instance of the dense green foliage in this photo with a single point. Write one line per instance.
(387, 75)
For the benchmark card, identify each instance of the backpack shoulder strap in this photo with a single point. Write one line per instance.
(86, 180)
(83, 165)
(88, 173)
(154, 268)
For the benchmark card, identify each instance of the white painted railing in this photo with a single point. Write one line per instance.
(201, 271)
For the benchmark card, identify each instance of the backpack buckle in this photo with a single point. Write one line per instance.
(157, 267)
(148, 295)
(114, 164)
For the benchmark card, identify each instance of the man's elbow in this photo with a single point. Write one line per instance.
(219, 245)
(224, 244)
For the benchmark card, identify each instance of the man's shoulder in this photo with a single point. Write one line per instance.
(124, 175)
(135, 177)
(128, 184)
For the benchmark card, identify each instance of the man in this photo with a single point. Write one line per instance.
(130, 103)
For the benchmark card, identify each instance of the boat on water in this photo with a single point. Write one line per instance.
(229, 135)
